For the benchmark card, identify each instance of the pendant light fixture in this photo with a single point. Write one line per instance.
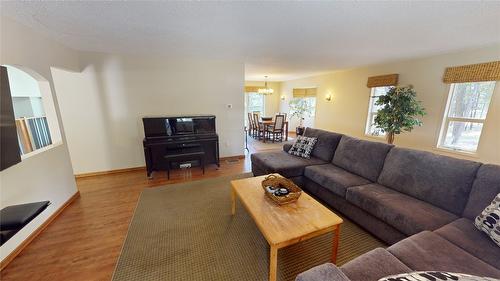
(266, 90)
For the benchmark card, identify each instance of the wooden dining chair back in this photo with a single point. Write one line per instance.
(277, 129)
(259, 127)
(279, 122)
(250, 124)
(282, 113)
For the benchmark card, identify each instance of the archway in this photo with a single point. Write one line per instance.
(35, 115)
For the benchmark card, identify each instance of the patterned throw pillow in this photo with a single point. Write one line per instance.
(434, 276)
(489, 220)
(303, 147)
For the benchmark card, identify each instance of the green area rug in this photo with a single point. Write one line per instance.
(186, 232)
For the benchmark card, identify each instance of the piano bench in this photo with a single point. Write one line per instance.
(185, 155)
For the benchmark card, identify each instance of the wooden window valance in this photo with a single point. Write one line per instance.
(479, 72)
(304, 92)
(252, 89)
(382, 80)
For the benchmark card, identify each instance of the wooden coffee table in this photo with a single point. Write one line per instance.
(288, 224)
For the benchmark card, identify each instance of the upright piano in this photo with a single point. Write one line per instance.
(173, 134)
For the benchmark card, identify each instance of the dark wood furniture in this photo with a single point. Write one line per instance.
(276, 130)
(183, 155)
(283, 113)
(251, 125)
(260, 128)
(267, 123)
(174, 135)
(9, 144)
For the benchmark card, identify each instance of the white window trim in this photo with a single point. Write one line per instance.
(445, 123)
(40, 150)
(370, 116)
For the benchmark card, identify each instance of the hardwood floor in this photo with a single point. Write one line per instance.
(84, 242)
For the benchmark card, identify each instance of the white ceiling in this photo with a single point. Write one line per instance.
(284, 40)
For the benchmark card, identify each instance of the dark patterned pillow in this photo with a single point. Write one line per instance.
(303, 147)
(489, 220)
(433, 276)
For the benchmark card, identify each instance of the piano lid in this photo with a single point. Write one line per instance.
(166, 126)
(180, 116)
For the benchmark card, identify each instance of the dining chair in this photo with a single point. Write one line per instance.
(277, 129)
(282, 113)
(250, 124)
(259, 130)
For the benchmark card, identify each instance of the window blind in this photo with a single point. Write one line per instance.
(304, 92)
(252, 89)
(382, 80)
(479, 72)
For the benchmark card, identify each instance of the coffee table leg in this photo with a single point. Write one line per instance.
(336, 237)
(273, 263)
(233, 201)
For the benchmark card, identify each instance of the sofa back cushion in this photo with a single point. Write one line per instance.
(486, 186)
(326, 144)
(361, 157)
(442, 181)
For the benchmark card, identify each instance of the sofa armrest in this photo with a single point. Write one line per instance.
(287, 147)
(324, 272)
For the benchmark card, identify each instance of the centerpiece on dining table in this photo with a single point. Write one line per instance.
(281, 190)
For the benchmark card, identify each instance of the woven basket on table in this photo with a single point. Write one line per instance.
(280, 182)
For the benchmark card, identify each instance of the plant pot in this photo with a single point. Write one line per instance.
(299, 131)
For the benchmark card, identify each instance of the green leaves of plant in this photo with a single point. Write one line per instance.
(400, 110)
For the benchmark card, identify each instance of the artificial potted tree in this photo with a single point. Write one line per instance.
(400, 111)
(300, 108)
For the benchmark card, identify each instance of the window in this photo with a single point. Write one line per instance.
(465, 115)
(33, 129)
(371, 129)
(309, 103)
(254, 102)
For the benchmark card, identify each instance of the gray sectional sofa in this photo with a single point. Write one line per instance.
(422, 204)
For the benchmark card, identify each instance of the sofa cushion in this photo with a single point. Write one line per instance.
(463, 234)
(364, 158)
(326, 145)
(433, 275)
(440, 180)
(489, 220)
(406, 214)
(323, 272)
(283, 163)
(5, 235)
(377, 227)
(17, 216)
(373, 265)
(303, 146)
(333, 178)
(429, 251)
(287, 146)
(486, 186)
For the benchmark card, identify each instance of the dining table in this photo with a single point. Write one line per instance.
(266, 123)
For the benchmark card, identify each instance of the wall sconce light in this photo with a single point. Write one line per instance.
(328, 97)
(283, 97)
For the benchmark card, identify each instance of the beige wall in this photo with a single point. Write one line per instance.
(103, 105)
(47, 175)
(272, 102)
(347, 112)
